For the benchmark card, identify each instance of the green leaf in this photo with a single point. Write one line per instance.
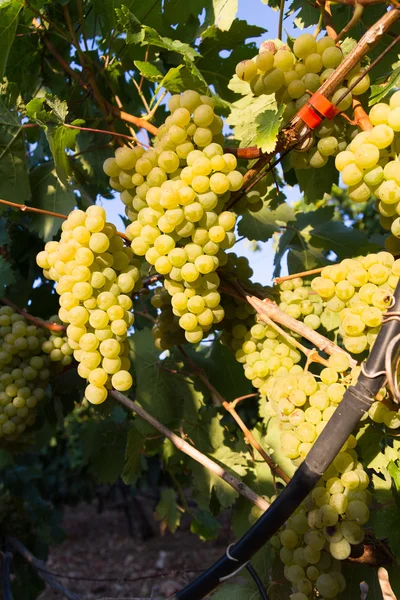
(236, 591)
(244, 114)
(7, 275)
(370, 443)
(156, 390)
(232, 383)
(394, 471)
(148, 70)
(49, 194)
(347, 45)
(181, 78)
(268, 123)
(263, 224)
(345, 241)
(145, 35)
(9, 14)
(179, 11)
(59, 136)
(385, 523)
(378, 92)
(205, 525)
(14, 182)
(315, 183)
(167, 509)
(205, 481)
(306, 16)
(225, 12)
(134, 447)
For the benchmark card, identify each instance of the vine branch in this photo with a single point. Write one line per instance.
(6, 559)
(35, 320)
(40, 568)
(42, 211)
(188, 449)
(230, 407)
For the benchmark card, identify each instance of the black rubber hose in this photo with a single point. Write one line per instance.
(356, 402)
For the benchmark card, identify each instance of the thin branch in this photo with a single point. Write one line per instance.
(39, 566)
(276, 469)
(281, 15)
(270, 310)
(240, 398)
(41, 211)
(113, 133)
(209, 464)
(279, 280)
(318, 28)
(152, 112)
(145, 316)
(246, 153)
(82, 24)
(327, 17)
(361, 118)
(141, 95)
(357, 14)
(137, 121)
(35, 320)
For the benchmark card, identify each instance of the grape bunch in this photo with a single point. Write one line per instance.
(94, 275)
(321, 533)
(300, 302)
(179, 222)
(304, 405)
(56, 346)
(370, 163)
(264, 354)
(360, 290)
(166, 331)
(24, 372)
(385, 411)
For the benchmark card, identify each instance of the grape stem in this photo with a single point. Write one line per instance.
(35, 320)
(361, 119)
(230, 407)
(240, 487)
(281, 15)
(40, 567)
(279, 280)
(42, 211)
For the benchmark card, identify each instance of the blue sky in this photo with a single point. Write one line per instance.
(256, 13)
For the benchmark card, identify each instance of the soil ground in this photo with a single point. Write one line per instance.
(99, 547)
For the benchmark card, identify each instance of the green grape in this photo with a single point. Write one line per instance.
(366, 156)
(264, 62)
(273, 81)
(328, 146)
(247, 69)
(283, 60)
(304, 45)
(332, 57)
(351, 174)
(347, 100)
(314, 62)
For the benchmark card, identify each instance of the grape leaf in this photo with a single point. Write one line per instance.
(233, 383)
(243, 116)
(49, 194)
(378, 92)
(14, 181)
(179, 11)
(237, 591)
(263, 224)
(306, 15)
(181, 78)
(315, 183)
(267, 125)
(205, 525)
(133, 452)
(148, 70)
(330, 320)
(394, 470)
(167, 509)
(9, 13)
(385, 523)
(225, 13)
(345, 241)
(145, 35)
(155, 388)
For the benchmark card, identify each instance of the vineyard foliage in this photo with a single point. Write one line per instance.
(146, 109)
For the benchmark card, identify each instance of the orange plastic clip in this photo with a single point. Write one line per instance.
(317, 109)
(309, 116)
(323, 105)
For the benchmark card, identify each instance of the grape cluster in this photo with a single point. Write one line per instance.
(166, 331)
(321, 533)
(299, 302)
(360, 290)
(94, 275)
(265, 354)
(178, 219)
(304, 405)
(24, 372)
(56, 346)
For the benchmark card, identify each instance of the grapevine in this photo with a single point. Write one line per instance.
(235, 159)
